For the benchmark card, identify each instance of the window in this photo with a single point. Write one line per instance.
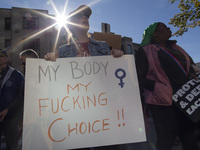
(122, 48)
(31, 23)
(7, 43)
(129, 49)
(7, 23)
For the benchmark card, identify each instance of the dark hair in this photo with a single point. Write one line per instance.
(29, 53)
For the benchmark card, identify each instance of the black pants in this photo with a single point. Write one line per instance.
(169, 123)
(11, 132)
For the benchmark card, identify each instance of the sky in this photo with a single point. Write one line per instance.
(128, 18)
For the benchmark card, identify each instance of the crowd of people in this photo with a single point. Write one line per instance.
(159, 75)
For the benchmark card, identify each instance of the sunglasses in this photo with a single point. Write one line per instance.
(81, 14)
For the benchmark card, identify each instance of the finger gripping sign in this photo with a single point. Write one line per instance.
(81, 102)
(187, 99)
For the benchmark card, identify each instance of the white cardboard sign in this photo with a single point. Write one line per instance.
(81, 102)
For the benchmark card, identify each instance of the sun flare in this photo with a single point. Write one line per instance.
(61, 20)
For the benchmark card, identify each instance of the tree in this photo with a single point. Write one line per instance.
(189, 17)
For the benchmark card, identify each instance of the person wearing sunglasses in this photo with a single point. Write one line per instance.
(79, 44)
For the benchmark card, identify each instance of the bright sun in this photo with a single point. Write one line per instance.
(61, 20)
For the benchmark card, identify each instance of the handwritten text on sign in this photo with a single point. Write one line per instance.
(81, 102)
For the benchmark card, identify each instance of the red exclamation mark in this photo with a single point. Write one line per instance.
(122, 117)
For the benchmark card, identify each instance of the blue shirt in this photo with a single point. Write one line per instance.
(96, 48)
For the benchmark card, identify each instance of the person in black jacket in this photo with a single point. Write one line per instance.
(11, 101)
(162, 67)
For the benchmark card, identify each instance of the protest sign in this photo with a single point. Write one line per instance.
(187, 99)
(81, 102)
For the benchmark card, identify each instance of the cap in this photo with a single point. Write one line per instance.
(2, 51)
(82, 8)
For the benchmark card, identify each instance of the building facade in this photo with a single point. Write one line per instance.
(22, 28)
(116, 41)
(128, 46)
(198, 65)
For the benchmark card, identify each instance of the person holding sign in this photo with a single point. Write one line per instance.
(80, 45)
(162, 67)
(11, 101)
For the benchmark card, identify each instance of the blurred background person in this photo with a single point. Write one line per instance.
(28, 53)
(162, 67)
(11, 101)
